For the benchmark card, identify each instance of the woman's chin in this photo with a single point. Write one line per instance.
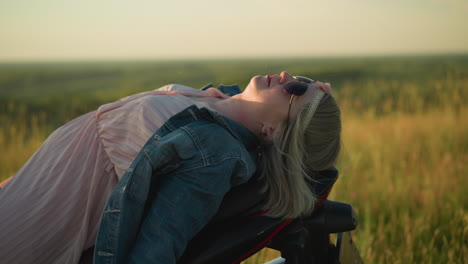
(259, 81)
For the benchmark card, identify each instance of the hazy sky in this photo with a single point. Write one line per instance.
(144, 29)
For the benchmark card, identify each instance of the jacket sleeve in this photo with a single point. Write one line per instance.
(183, 205)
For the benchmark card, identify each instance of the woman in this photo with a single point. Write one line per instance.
(206, 142)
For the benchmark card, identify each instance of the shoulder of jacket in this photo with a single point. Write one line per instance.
(206, 133)
(216, 143)
(214, 146)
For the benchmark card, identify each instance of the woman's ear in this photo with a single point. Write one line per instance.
(268, 132)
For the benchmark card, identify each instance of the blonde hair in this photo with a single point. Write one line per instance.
(289, 162)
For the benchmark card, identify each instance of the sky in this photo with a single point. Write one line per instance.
(174, 29)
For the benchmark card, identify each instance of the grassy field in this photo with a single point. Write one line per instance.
(405, 135)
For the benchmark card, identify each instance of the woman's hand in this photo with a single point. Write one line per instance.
(2, 184)
(325, 87)
(210, 92)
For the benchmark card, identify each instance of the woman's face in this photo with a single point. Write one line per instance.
(273, 99)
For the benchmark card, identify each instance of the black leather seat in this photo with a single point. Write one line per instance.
(233, 233)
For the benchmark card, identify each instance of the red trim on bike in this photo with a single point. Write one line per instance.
(259, 246)
(323, 198)
(259, 214)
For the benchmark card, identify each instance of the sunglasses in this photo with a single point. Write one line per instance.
(296, 89)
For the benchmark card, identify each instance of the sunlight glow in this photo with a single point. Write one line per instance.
(119, 29)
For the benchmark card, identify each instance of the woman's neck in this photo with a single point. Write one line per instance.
(239, 110)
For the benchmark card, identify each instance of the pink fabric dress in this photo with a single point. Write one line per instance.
(51, 209)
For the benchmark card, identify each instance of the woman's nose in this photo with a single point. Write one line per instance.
(286, 77)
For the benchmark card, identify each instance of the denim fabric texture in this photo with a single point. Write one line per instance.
(174, 186)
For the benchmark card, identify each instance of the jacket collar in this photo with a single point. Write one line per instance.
(237, 130)
(193, 113)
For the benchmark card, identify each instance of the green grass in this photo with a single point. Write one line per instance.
(403, 166)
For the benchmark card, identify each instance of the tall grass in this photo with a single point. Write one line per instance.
(21, 134)
(406, 176)
(405, 136)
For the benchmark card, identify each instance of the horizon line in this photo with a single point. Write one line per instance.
(230, 58)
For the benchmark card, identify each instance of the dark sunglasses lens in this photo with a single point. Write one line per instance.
(295, 88)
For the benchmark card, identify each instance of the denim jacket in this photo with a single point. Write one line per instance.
(174, 186)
